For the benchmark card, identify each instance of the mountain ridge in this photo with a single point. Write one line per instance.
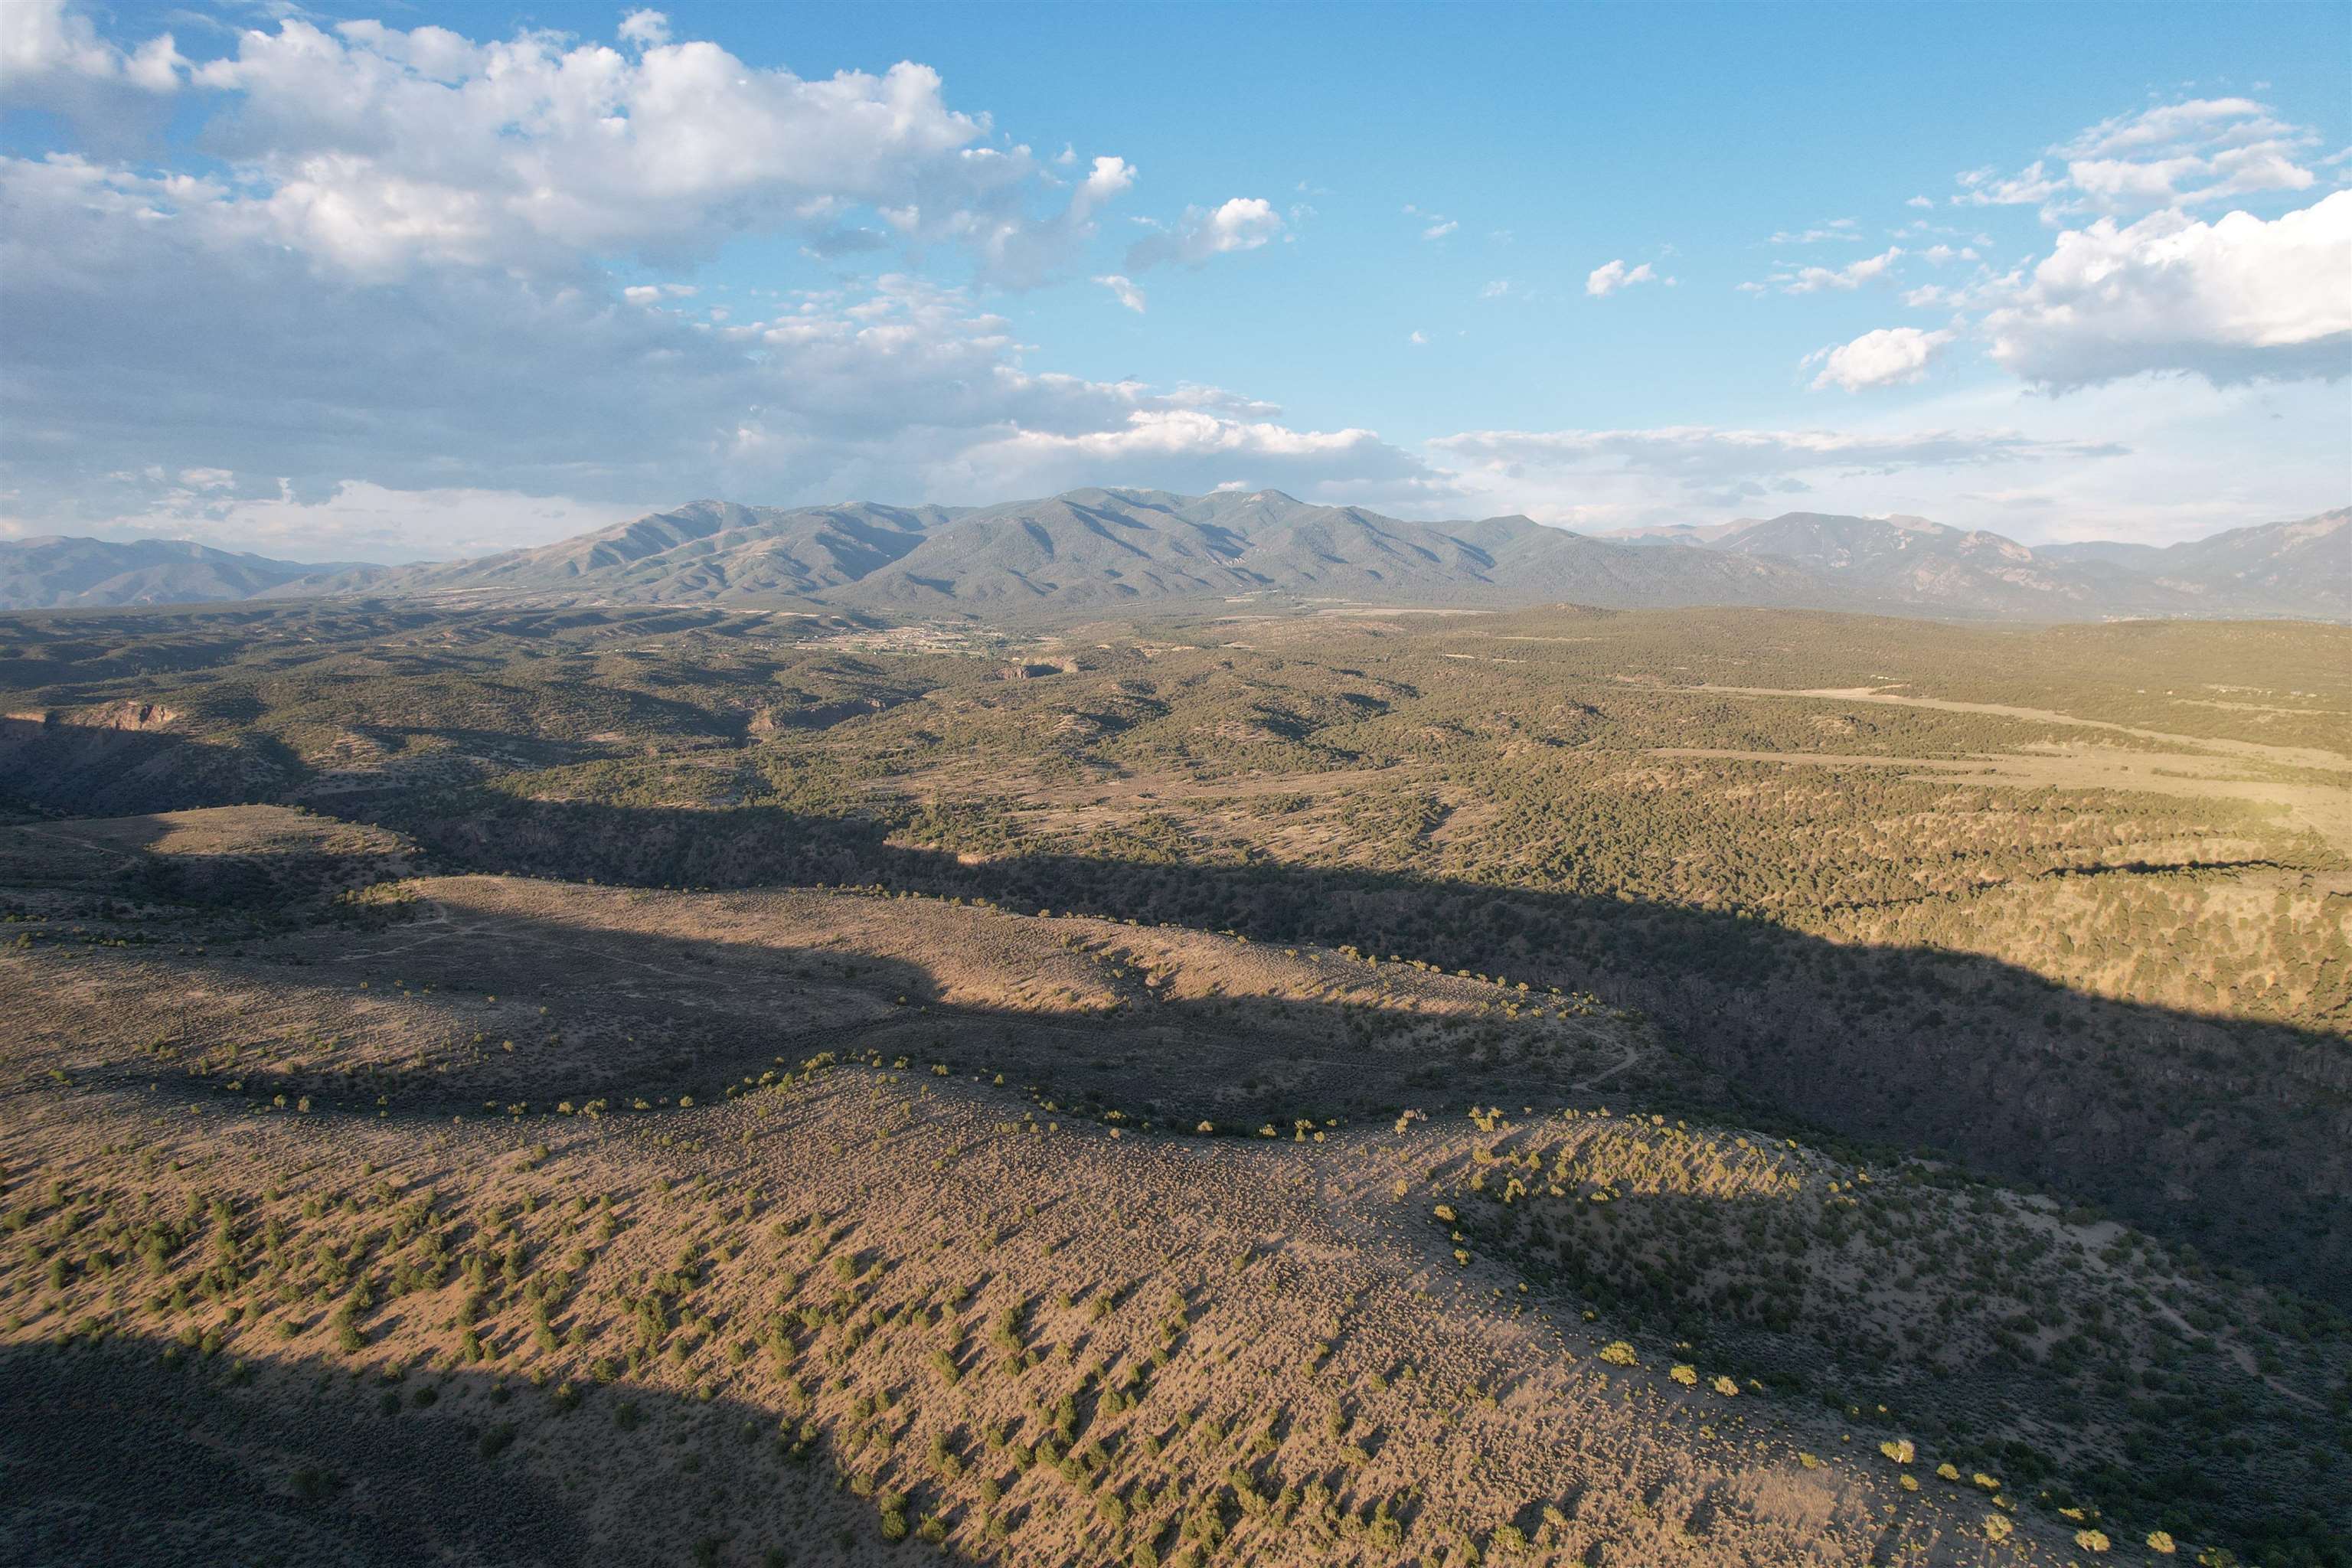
(1099, 547)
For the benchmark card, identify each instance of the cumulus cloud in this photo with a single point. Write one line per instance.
(48, 50)
(1887, 357)
(176, 333)
(648, 29)
(1609, 278)
(1194, 450)
(1440, 229)
(2239, 299)
(52, 58)
(380, 150)
(1244, 223)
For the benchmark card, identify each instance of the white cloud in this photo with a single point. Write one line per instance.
(2178, 154)
(1193, 449)
(2236, 299)
(1417, 338)
(1836, 228)
(1123, 291)
(1440, 229)
(177, 332)
(1606, 279)
(1984, 188)
(1920, 201)
(52, 58)
(400, 280)
(1995, 455)
(1244, 223)
(1887, 357)
(2228, 120)
(381, 151)
(1497, 289)
(649, 29)
(1705, 457)
(46, 46)
(2120, 183)
(1853, 275)
(362, 521)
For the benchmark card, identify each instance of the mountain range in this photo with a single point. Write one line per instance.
(56, 572)
(1106, 549)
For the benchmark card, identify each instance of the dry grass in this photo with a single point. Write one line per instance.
(801, 1221)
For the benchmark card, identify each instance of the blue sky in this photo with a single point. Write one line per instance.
(376, 282)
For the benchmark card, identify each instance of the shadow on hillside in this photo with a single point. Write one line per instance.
(2232, 1135)
(506, 997)
(99, 771)
(116, 864)
(114, 1455)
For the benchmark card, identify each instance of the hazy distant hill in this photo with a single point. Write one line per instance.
(56, 573)
(1094, 549)
(704, 551)
(1916, 562)
(2298, 568)
(2304, 566)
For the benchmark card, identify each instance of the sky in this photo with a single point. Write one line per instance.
(396, 281)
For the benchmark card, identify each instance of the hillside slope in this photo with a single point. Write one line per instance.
(1041, 1238)
(2305, 564)
(58, 573)
(1100, 546)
